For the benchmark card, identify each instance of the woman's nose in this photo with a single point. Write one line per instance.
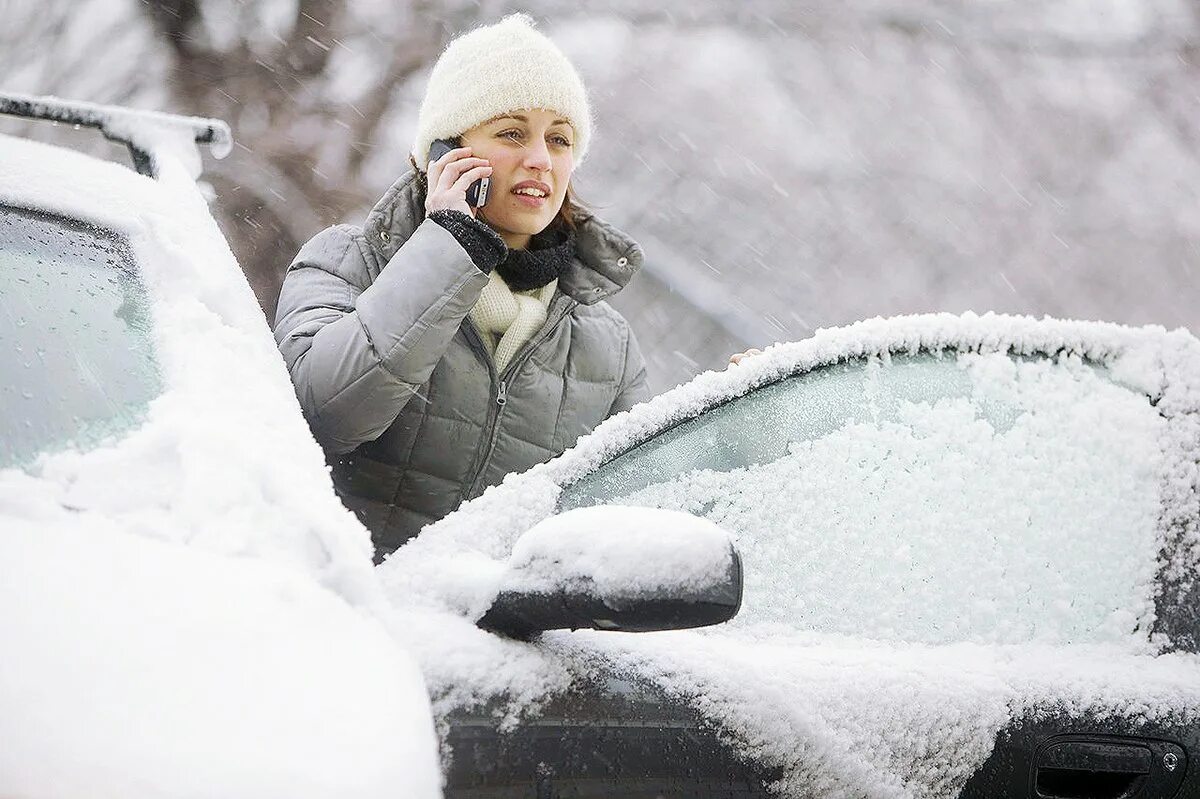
(537, 156)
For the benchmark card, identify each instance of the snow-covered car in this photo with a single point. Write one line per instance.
(185, 607)
(969, 546)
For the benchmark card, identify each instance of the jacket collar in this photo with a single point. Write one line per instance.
(605, 258)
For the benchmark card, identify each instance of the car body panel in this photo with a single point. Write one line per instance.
(609, 736)
(1021, 763)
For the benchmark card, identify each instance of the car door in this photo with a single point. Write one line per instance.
(957, 496)
(951, 528)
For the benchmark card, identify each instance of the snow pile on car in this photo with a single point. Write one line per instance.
(849, 717)
(216, 464)
(142, 668)
(188, 609)
(620, 553)
(891, 697)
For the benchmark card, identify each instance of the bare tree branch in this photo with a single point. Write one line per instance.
(306, 52)
(176, 22)
(407, 59)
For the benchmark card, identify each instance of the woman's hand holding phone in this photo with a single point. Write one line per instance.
(449, 178)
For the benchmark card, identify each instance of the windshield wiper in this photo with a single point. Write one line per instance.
(121, 125)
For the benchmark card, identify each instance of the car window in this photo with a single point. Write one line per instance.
(75, 336)
(936, 499)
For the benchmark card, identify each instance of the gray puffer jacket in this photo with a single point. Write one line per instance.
(395, 380)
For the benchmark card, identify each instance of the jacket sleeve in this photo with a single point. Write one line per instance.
(357, 350)
(633, 382)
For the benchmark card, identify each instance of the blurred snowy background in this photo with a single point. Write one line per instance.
(786, 164)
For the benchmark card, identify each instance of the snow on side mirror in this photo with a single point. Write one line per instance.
(613, 567)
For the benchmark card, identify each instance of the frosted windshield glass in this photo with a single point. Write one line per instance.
(76, 355)
(969, 497)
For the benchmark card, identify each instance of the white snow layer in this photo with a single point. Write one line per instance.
(620, 553)
(140, 668)
(843, 671)
(175, 619)
(224, 460)
(949, 521)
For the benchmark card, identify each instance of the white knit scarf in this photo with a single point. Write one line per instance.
(508, 319)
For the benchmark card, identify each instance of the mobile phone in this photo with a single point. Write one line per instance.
(477, 192)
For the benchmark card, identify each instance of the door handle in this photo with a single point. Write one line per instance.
(1092, 767)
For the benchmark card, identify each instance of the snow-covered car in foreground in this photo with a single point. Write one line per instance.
(970, 549)
(185, 607)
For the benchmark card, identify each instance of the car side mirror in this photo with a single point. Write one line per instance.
(612, 567)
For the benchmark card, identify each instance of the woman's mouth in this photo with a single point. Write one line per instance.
(531, 193)
(530, 198)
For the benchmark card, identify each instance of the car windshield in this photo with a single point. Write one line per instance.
(75, 337)
(962, 497)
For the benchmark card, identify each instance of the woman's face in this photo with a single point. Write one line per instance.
(532, 151)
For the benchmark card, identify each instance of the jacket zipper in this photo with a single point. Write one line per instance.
(475, 339)
(501, 383)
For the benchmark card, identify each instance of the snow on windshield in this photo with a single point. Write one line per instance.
(1024, 510)
(851, 709)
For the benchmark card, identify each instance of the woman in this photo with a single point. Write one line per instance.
(439, 347)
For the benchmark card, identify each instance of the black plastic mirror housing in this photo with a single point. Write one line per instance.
(523, 614)
(571, 600)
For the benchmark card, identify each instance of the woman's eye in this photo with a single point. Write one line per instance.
(562, 141)
(511, 133)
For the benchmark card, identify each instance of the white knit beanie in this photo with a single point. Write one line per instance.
(492, 70)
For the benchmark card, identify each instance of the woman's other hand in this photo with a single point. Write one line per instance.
(449, 178)
(736, 359)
